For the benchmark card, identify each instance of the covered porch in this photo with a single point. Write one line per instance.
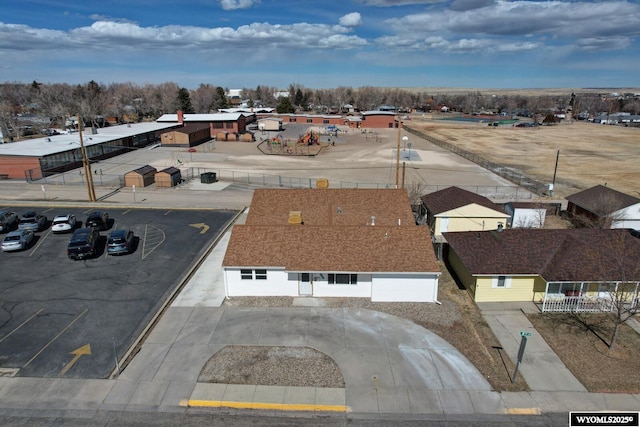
(565, 297)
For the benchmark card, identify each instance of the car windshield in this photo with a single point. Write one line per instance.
(77, 244)
(12, 239)
(60, 221)
(27, 220)
(119, 241)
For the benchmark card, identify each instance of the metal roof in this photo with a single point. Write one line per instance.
(39, 147)
(219, 117)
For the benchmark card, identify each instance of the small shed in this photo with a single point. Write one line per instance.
(140, 177)
(169, 177)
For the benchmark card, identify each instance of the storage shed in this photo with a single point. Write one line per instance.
(140, 177)
(169, 177)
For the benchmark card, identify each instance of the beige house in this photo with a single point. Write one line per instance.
(455, 209)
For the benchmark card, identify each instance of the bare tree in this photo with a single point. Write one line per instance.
(202, 98)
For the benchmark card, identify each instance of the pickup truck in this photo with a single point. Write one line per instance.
(83, 243)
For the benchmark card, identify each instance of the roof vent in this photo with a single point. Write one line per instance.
(399, 222)
(373, 220)
(339, 210)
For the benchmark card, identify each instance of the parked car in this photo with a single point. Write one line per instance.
(8, 221)
(98, 219)
(17, 240)
(63, 223)
(120, 242)
(33, 221)
(83, 243)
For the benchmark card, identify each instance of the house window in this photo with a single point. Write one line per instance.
(293, 119)
(261, 274)
(325, 121)
(501, 282)
(309, 120)
(343, 279)
(246, 274)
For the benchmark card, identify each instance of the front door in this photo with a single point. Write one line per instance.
(305, 286)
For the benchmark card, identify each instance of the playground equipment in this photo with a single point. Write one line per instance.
(309, 138)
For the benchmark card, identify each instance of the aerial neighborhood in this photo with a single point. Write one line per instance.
(418, 220)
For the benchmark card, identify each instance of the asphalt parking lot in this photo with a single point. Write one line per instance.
(73, 319)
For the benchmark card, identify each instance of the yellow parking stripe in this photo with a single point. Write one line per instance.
(266, 406)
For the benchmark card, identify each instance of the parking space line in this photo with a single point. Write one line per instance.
(55, 338)
(21, 325)
(167, 213)
(40, 240)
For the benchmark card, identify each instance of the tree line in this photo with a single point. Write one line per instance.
(135, 102)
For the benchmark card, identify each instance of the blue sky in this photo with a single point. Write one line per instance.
(323, 44)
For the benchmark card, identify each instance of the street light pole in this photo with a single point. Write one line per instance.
(398, 155)
(86, 165)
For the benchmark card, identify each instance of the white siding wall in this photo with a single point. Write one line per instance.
(395, 287)
(277, 284)
(322, 288)
(528, 218)
(628, 217)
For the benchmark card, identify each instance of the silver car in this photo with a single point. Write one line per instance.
(32, 221)
(17, 240)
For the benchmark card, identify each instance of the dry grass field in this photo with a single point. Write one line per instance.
(589, 154)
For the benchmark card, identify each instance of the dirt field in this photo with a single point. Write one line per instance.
(589, 154)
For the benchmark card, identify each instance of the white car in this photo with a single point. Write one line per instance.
(63, 223)
(17, 240)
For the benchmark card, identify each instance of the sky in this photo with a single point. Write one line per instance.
(323, 44)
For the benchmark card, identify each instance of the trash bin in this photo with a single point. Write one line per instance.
(208, 177)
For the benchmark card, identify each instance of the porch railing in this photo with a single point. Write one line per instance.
(583, 304)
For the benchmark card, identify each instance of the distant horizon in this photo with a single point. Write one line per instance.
(320, 44)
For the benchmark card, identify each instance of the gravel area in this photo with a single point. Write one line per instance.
(266, 365)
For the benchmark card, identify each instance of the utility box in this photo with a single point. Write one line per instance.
(208, 178)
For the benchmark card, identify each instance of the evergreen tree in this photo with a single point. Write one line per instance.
(285, 106)
(220, 99)
(184, 101)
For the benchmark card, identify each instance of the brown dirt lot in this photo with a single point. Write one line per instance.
(590, 154)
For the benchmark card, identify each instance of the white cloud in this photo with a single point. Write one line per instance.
(351, 20)
(237, 4)
(387, 3)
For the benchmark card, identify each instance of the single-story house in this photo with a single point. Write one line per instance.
(456, 209)
(331, 243)
(140, 177)
(604, 207)
(562, 270)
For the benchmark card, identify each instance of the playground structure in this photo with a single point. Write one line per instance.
(310, 138)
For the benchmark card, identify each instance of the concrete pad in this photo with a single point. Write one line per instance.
(330, 396)
(362, 328)
(170, 325)
(177, 393)
(239, 326)
(622, 402)
(545, 371)
(414, 368)
(121, 392)
(362, 367)
(456, 402)
(487, 402)
(517, 401)
(288, 328)
(149, 393)
(184, 363)
(362, 399)
(326, 331)
(75, 394)
(22, 392)
(562, 401)
(300, 395)
(456, 372)
(146, 363)
(199, 327)
(424, 401)
(239, 393)
(208, 391)
(393, 400)
(269, 394)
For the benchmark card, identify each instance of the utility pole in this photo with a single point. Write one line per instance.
(398, 155)
(86, 164)
(555, 170)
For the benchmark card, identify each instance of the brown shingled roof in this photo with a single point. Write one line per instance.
(454, 197)
(335, 207)
(602, 200)
(555, 255)
(332, 249)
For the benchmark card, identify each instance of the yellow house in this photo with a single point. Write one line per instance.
(454, 209)
(562, 270)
